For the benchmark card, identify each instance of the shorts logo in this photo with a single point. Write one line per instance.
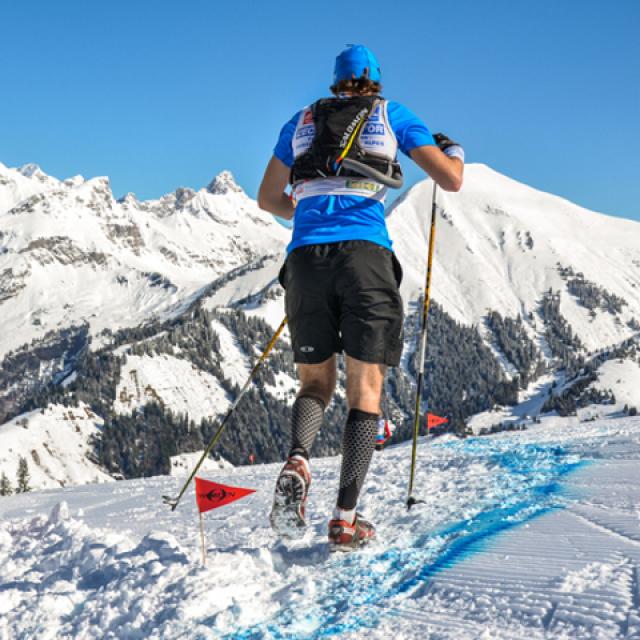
(307, 349)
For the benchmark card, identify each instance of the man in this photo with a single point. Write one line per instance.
(341, 277)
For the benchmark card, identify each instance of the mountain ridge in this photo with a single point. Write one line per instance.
(150, 312)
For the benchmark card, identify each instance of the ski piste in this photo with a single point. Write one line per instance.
(530, 534)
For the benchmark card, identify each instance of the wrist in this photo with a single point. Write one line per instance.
(454, 151)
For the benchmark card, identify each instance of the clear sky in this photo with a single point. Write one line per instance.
(163, 94)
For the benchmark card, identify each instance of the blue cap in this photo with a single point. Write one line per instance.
(356, 61)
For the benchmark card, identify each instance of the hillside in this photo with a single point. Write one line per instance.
(151, 313)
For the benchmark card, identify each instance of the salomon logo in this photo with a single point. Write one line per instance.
(347, 134)
(307, 349)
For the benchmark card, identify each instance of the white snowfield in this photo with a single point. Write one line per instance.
(56, 443)
(175, 383)
(525, 535)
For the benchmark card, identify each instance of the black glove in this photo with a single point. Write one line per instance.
(444, 142)
(449, 147)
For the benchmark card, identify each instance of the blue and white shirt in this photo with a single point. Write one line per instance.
(337, 209)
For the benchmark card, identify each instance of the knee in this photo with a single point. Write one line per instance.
(365, 398)
(323, 390)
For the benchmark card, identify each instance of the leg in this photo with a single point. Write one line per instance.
(317, 382)
(364, 387)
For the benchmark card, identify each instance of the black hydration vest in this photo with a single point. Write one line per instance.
(336, 150)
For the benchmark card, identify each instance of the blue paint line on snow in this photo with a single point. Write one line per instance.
(463, 539)
(528, 485)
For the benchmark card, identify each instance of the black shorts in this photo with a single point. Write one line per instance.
(344, 295)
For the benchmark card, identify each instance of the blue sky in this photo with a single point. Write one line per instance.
(162, 94)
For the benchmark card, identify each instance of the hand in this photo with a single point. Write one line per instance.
(443, 141)
(449, 147)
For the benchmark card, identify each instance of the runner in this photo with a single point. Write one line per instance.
(341, 276)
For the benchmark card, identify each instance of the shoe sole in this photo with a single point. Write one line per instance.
(346, 548)
(286, 519)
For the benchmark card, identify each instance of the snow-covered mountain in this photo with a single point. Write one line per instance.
(71, 254)
(163, 305)
(501, 245)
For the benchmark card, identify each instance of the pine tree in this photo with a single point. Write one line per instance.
(5, 485)
(23, 476)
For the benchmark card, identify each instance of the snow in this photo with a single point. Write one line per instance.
(75, 251)
(237, 365)
(56, 442)
(182, 464)
(74, 254)
(176, 384)
(529, 534)
(623, 378)
(532, 534)
(285, 387)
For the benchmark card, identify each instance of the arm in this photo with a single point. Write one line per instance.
(415, 140)
(271, 195)
(447, 172)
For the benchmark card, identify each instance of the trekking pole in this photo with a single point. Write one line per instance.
(423, 349)
(173, 502)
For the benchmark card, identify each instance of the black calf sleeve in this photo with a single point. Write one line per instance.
(358, 442)
(306, 420)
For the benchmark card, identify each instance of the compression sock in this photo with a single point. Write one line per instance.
(358, 442)
(306, 420)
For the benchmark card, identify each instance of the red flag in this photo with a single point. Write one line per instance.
(211, 495)
(434, 420)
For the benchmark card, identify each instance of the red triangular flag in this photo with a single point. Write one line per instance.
(434, 420)
(211, 495)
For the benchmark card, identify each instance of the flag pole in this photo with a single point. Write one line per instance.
(202, 544)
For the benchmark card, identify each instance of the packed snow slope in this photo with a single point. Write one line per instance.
(532, 535)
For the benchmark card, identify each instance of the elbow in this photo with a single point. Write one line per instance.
(451, 183)
(263, 201)
(456, 184)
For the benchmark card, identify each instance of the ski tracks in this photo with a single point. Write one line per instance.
(532, 535)
(360, 590)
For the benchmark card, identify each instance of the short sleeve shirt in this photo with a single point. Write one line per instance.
(335, 218)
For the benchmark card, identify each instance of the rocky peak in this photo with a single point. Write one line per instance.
(128, 199)
(224, 183)
(34, 172)
(30, 170)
